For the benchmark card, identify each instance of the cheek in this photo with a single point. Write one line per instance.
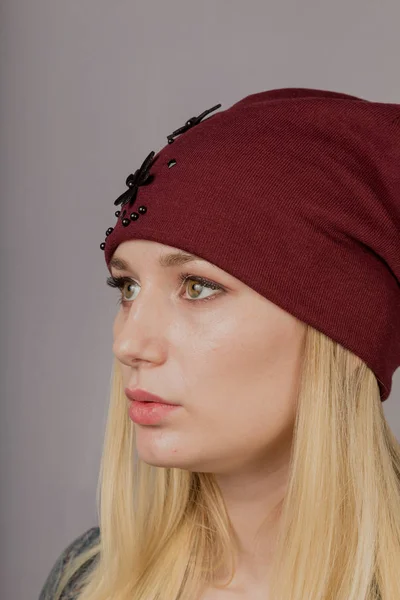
(232, 355)
(246, 430)
(118, 323)
(115, 328)
(248, 378)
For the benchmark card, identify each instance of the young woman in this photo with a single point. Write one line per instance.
(247, 455)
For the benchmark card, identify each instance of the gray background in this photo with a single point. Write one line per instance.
(88, 88)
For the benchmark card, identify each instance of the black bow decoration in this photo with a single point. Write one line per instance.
(141, 177)
(191, 123)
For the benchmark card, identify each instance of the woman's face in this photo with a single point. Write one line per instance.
(232, 362)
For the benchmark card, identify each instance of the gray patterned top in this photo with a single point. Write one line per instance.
(74, 586)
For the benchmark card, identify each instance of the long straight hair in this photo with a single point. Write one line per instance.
(164, 532)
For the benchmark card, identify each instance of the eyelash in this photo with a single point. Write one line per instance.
(119, 282)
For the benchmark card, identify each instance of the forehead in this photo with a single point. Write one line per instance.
(166, 256)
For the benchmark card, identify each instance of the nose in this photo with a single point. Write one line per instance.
(140, 330)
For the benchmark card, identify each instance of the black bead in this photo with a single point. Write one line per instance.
(134, 216)
(170, 141)
(130, 180)
(171, 162)
(102, 246)
(117, 213)
(125, 222)
(109, 230)
(142, 210)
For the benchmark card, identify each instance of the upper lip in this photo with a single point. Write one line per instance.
(144, 396)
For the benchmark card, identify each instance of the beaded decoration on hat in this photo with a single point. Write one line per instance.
(191, 123)
(143, 177)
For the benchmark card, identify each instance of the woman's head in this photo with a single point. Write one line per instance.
(295, 193)
(228, 356)
(292, 198)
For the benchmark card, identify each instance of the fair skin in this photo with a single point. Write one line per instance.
(232, 363)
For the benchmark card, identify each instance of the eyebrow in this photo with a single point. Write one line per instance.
(172, 259)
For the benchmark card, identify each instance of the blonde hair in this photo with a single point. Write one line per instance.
(165, 531)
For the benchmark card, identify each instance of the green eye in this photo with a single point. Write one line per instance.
(119, 282)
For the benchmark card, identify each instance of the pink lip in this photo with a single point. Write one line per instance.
(143, 396)
(150, 413)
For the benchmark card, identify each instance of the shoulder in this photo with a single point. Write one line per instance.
(80, 544)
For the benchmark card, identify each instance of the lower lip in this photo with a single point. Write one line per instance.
(149, 413)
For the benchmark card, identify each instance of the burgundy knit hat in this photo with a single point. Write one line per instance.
(295, 192)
